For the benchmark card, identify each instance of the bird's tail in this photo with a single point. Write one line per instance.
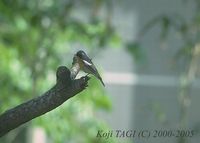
(101, 80)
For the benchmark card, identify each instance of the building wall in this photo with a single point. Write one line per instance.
(140, 104)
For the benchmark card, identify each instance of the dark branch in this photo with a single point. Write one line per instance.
(64, 89)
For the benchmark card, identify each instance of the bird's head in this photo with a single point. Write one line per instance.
(83, 59)
(81, 54)
(80, 58)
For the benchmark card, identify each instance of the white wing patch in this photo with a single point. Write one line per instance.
(87, 63)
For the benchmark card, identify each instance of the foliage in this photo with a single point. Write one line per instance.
(35, 37)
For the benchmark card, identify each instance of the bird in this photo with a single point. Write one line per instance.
(86, 65)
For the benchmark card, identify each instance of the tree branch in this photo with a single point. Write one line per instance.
(64, 89)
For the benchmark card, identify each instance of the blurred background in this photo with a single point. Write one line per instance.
(146, 51)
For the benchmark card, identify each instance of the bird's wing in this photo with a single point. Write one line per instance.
(88, 63)
(90, 68)
(87, 59)
(101, 80)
